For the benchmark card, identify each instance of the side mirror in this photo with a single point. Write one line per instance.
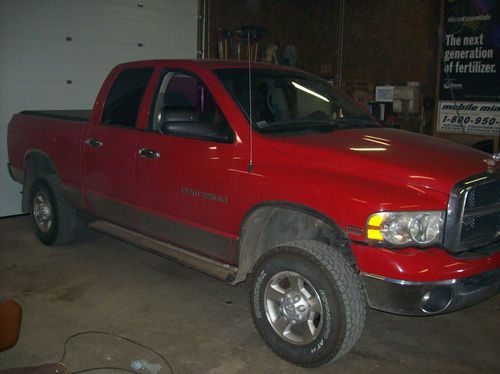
(184, 114)
(196, 130)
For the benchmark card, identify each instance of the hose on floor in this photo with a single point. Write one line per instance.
(117, 337)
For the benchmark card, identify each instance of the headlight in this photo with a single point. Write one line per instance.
(406, 228)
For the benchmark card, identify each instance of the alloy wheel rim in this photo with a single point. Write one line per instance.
(293, 307)
(42, 212)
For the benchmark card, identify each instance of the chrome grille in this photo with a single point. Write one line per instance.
(473, 217)
(484, 194)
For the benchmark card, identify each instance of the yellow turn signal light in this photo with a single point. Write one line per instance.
(374, 227)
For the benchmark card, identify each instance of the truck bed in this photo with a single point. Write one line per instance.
(67, 115)
(55, 133)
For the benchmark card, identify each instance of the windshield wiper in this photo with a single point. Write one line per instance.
(296, 125)
(311, 123)
(293, 122)
(361, 121)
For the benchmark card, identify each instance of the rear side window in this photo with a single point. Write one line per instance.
(125, 96)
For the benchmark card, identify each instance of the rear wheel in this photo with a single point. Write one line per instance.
(53, 219)
(307, 303)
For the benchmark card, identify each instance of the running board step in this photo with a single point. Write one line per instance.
(190, 259)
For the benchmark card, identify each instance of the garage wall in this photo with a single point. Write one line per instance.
(385, 41)
(54, 54)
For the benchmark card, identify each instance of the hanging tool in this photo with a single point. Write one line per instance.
(253, 33)
(227, 43)
(238, 44)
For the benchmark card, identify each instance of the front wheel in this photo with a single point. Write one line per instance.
(307, 303)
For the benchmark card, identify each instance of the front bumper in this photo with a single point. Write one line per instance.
(426, 298)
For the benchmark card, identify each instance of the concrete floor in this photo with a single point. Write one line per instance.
(200, 324)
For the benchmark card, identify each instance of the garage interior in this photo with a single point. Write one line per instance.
(54, 55)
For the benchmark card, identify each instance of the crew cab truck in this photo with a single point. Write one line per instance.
(269, 173)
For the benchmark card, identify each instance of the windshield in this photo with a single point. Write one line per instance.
(289, 101)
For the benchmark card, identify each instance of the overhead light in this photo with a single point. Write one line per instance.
(377, 138)
(368, 149)
(476, 180)
(375, 141)
(310, 92)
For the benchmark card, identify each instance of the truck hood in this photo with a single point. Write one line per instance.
(415, 159)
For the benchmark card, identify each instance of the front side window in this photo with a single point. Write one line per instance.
(289, 101)
(124, 98)
(185, 107)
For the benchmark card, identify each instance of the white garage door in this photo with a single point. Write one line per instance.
(54, 54)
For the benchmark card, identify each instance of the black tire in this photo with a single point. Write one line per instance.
(53, 219)
(332, 327)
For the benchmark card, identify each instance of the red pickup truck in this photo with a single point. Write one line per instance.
(271, 173)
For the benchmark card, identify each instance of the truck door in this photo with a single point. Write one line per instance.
(185, 168)
(110, 149)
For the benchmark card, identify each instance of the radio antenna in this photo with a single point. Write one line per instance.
(250, 163)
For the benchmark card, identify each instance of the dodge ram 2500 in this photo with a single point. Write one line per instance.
(271, 173)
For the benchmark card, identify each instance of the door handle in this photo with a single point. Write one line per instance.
(149, 153)
(94, 143)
